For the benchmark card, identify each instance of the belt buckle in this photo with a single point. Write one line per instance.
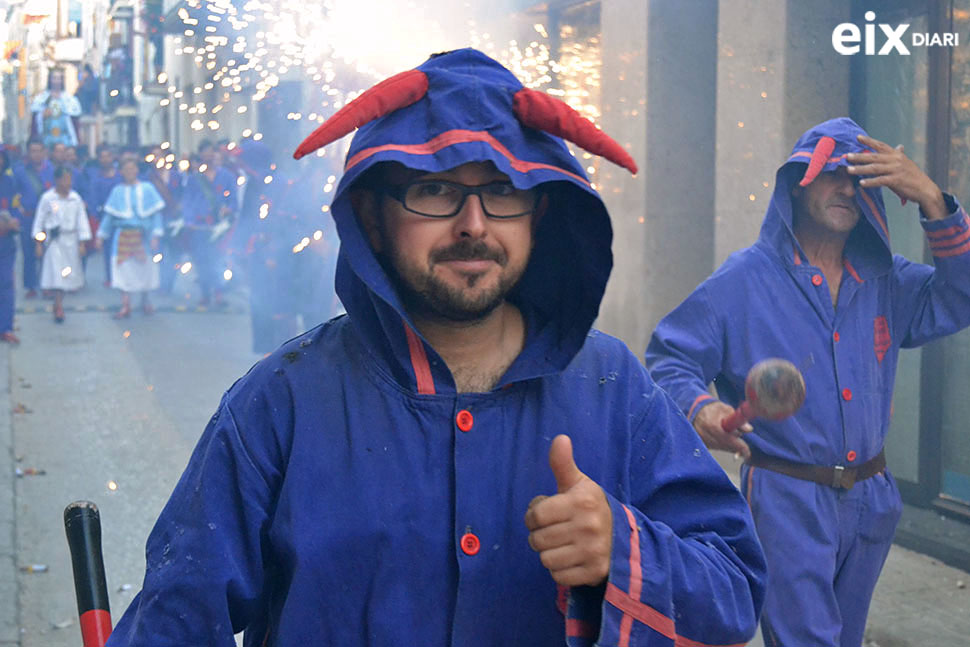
(837, 473)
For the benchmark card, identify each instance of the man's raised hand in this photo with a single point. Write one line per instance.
(572, 530)
(890, 167)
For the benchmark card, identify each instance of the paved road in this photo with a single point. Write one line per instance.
(110, 410)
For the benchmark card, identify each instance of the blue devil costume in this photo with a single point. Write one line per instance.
(31, 182)
(345, 493)
(825, 543)
(9, 210)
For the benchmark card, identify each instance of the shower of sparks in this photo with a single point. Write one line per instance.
(247, 51)
(243, 51)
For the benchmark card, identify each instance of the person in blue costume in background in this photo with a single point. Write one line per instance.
(34, 176)
(100, 178)
(162, 173)
(822, 289)
(264, 237)
(461, 459)
(314, 298)
(133, 225)
(10, 216)
(208, 209)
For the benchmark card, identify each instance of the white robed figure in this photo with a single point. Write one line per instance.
(60, 229)
(132, 223)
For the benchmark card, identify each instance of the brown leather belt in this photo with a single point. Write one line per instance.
(839, 477)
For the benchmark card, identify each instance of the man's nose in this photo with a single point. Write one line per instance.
(471, 221)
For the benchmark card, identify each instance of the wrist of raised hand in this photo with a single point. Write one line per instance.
(933, 206)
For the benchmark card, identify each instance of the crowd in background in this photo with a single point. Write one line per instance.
(224, 212)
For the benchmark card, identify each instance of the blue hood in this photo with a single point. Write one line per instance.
(466, 116)
(867, 249)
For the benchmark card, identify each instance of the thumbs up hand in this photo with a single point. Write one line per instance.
(573, 530)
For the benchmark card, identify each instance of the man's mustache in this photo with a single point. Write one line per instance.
(469, 250)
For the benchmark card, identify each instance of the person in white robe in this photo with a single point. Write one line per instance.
(60, 230)
(132, 222)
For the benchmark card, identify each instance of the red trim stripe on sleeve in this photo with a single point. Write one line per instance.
(701, 398)
(636, 576)
(650, 617)
(955, 251)
(634, 609)
(946, 243)
(950, 231)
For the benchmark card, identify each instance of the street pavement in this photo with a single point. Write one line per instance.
(110, 411)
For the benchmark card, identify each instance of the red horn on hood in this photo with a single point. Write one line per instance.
(398, 91)
(821, 154)
(544, 112)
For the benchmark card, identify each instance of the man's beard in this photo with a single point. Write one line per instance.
(423, 293)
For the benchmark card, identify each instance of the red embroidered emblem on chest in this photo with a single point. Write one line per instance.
(881, 339)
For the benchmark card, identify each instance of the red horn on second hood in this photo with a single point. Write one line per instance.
(541, 111)
(820, 156)
(398, 91)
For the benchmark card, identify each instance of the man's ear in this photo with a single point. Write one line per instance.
(367, 208)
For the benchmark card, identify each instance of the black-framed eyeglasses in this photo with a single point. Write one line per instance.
(444, 199)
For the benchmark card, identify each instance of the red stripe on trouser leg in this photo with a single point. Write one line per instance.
(95, 627)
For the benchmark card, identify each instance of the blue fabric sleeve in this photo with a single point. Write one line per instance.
(205, 576)
(931, 302)
(685, 352)
(686, 565)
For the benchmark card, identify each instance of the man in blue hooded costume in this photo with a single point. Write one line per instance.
(366, 483)
(822, 289)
